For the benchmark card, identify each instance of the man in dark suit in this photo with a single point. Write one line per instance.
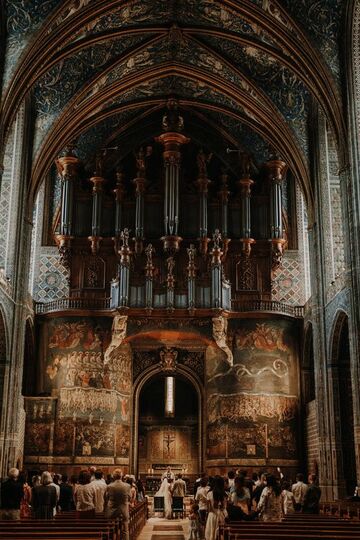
(117, 497)
(11, 495)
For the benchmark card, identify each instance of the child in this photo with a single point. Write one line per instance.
(195, 526)
(287, 499)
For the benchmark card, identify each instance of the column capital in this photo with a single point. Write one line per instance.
(276, 169)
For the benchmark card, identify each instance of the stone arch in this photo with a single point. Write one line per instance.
(341, 392)
(139, 384)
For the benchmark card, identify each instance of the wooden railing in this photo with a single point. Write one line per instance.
(268, 306)
(62, 304)
(238, 306)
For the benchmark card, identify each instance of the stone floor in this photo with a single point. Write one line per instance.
(165, 529)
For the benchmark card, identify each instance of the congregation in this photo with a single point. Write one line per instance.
(215, 500)
(240, 498)
(89, 494)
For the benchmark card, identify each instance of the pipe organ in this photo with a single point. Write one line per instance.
(172, 225)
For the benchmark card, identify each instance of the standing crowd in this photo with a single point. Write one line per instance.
(89, 494)
(237, 498)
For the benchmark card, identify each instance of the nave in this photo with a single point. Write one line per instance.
(165, 529)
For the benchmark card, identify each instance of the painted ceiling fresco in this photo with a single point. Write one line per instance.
(98, 56)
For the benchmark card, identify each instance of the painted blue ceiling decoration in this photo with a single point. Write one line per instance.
(54, 90)
(23, 19)
(246, 138)
(242, 66)
(191, 12)
(280, 84)
(321, 21)
(90, 140)
(216, 139)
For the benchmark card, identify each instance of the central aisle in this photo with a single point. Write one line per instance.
(165, 529)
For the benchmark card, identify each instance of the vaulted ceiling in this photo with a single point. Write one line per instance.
(245, 73)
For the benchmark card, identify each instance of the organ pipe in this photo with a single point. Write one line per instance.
(276, 169)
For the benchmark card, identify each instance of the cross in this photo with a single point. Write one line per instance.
(168, 439)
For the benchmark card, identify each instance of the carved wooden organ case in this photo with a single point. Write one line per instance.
(172, 225)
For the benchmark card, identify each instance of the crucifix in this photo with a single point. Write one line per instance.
(168, 439)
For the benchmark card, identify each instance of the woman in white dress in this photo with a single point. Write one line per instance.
(217, 513)
(165, 491)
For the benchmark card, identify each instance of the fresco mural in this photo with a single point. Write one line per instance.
(88, 374)
(252, 406)
(40, 415)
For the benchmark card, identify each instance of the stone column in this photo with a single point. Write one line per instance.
(330, 468)
(18, 257)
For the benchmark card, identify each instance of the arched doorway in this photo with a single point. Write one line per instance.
(343, 402)
(168, 437)
(160, 440)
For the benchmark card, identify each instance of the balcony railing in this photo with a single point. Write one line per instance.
(270, 306)
(63, 304)
(238, 306)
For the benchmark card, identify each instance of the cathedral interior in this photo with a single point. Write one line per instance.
(180, 237)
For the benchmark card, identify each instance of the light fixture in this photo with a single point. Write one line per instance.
(169, 397)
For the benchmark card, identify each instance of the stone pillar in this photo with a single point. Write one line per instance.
(17, 262)
(330, 467)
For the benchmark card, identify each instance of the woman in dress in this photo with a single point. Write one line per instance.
(270, 501)
(165, 491)
(25, 510)
(44, 498)
(216, 508)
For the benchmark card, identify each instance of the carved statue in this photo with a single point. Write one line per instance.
(124, 235)
(172, 121)
(170, 265)
(191, 251)
(219, 334)
(168, 358)
(202, 160)
(118, 332)
(149, 253)
(217, 238)
(140, 163)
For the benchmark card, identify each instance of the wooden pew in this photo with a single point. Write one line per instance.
(68, 526)
(295, 527)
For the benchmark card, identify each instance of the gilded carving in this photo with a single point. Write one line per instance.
(118, 334)
(220, 325)
(168, 359)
